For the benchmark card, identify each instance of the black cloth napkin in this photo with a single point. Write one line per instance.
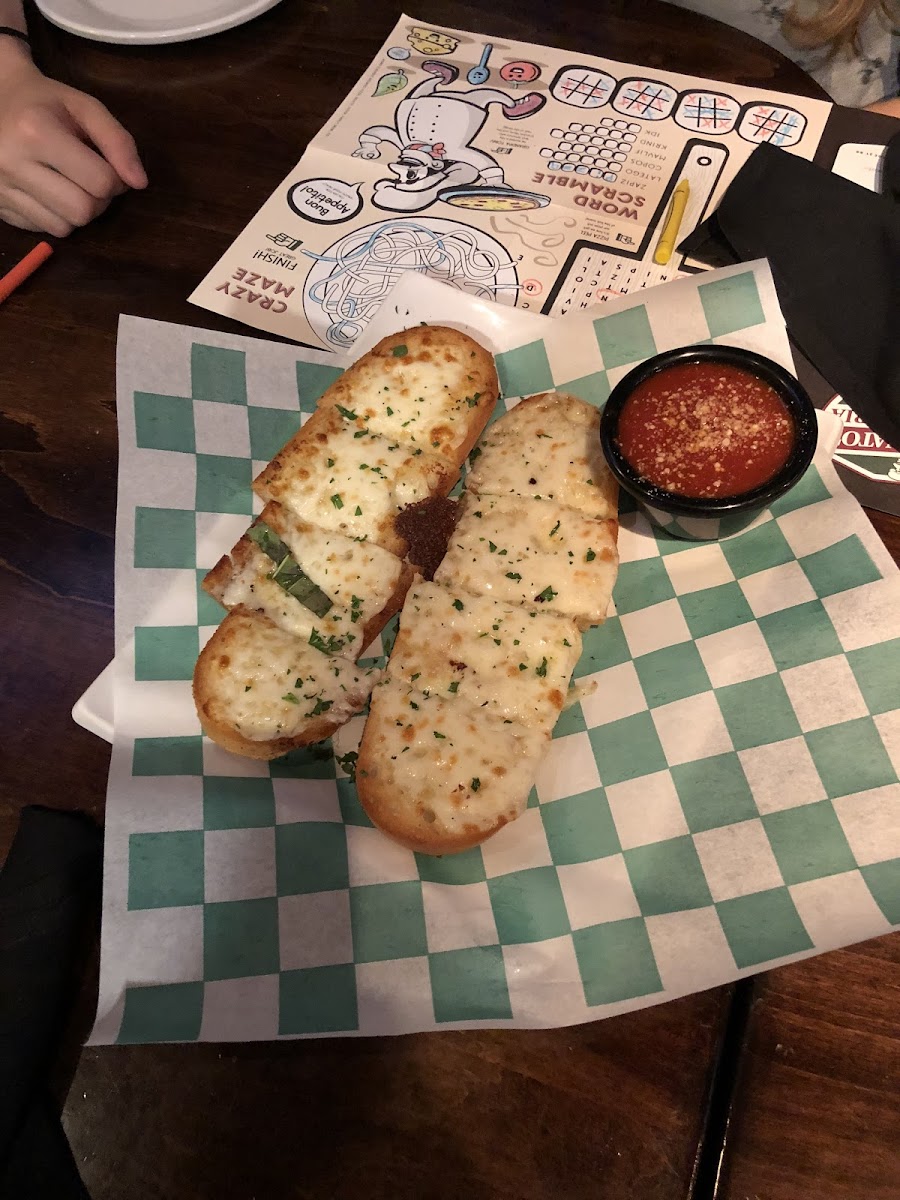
(48, 887)
(834, 250)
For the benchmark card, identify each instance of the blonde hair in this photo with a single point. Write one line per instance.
(835, 23)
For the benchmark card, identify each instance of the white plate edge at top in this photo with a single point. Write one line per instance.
(69, 15)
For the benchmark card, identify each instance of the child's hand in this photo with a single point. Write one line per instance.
(63, 155)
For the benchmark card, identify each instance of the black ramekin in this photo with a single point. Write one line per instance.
(700, 518)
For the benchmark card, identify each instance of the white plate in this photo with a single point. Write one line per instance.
(94, 710)
(127, 21)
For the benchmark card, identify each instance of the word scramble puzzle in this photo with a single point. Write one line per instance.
(597, 150)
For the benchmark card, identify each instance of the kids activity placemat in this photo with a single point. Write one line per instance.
(535, 177)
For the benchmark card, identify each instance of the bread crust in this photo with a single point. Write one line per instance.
(430, 802)
(216, 714)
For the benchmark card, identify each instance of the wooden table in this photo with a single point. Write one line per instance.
(620, 1109)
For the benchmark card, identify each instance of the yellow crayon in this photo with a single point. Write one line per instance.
(672, 224)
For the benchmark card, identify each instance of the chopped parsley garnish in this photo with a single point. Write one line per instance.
(389, 411)
(475, 784)
(454, 686)
(441, 736)
(248, 687)
(399, 352)
(514, 575)
(358, 511)
(458, 605)
(346, 412)
(523, 666)
(347, 762)
(413, 678)
(566, 642)
(554, 529)
(542, 669)
(337, 501)
(290, 697)
(360, 433)
(547, 594)
(355, 606)
(492, 546)
(590, 556)
(329, 645)
(319, 707)
(329, 462)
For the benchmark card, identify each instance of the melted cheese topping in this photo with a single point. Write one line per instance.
(349, 479)
(538, 554)
(459, 768)
(358, 577)
(548, 448)
(424, 397)
(268, 684)
(341, 566)
(506, 661)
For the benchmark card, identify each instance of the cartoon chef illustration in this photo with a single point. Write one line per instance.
(434, 128)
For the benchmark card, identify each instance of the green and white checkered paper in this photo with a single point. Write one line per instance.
(725, 801)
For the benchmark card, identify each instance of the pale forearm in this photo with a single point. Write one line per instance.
(11, 14)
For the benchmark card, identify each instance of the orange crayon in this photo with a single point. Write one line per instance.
(20, 272)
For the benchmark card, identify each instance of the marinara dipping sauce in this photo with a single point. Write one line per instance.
(706, 430)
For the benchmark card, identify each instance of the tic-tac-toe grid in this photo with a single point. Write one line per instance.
(770, 123)
(727, 798)
(599, 151)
